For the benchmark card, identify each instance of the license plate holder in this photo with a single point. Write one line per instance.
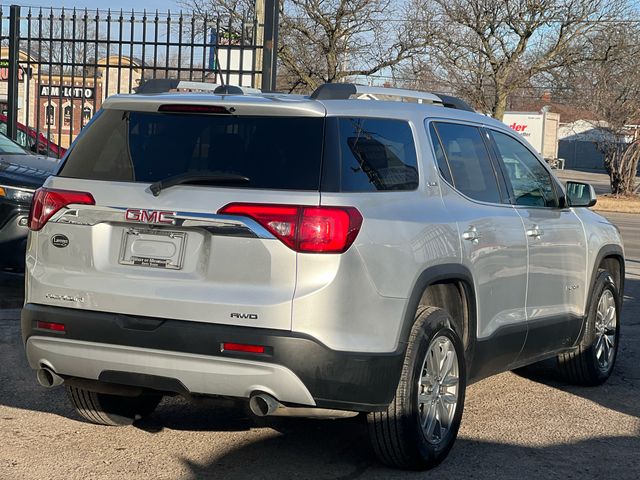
(154, 248)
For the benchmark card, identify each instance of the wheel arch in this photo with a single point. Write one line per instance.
(610, 255)
(440, 286)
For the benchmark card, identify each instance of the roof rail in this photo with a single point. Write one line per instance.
(344, 91)
(454, 102)
(161, 85)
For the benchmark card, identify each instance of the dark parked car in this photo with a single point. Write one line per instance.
(21, 173)
(29, 139)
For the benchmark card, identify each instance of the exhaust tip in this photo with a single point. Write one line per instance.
(48, 378)
(262, 404)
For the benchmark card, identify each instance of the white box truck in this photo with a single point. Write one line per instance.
(540, 130)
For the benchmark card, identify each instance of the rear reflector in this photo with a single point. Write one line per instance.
(241, 347)
(56, 327)
(304, 229)
(180, 108)
(47, 202)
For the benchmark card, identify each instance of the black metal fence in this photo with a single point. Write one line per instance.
(57, 65)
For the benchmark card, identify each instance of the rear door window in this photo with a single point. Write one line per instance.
(273, 152)
(441, 159)
(370, 154)
(472, 171)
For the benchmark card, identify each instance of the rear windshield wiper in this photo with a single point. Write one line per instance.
(198, 178)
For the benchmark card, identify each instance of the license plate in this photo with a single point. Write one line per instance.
(153, 248)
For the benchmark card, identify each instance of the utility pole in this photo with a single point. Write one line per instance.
(259, 41)
(270, 44)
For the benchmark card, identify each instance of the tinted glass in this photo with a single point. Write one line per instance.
(375, 154)
(471, 168)
(443, 166)
(274, 152)
(531, 182)
(7, 147)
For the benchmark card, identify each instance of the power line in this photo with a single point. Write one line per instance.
(443, 18)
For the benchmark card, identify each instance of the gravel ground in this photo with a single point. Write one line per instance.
(513, 426)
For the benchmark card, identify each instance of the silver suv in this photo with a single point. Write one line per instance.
(313, 256)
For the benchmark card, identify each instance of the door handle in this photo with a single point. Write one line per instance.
(535, 232)
(471, 234)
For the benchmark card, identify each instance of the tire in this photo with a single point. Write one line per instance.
(111, 410)
(601, 337)
(397, 434)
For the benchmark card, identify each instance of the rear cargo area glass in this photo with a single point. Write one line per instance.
(273, 152)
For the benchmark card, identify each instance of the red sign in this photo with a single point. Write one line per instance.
(518, 127)
(4, 74)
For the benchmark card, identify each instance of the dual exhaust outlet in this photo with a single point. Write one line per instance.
(48, 378)
(261, 404)
(264, 405)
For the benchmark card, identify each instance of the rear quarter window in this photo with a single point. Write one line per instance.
(369, 154)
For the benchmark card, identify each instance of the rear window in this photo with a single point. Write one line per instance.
(273, 152)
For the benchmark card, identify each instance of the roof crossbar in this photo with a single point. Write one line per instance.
(344, 91)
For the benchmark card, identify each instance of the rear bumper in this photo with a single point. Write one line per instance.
(128, 349)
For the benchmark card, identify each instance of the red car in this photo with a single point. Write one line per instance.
(33, 141)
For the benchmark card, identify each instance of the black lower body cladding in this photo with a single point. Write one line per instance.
(340, 380)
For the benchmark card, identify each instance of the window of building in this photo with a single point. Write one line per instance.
(50, 115)
(87, 113)
(66, 115)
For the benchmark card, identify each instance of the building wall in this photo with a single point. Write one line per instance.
(65, 107)
(58, 106)
(581, 155)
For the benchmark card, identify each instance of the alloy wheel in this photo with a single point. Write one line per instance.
(606, 326)
(438, 389)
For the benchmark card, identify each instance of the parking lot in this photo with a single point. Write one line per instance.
(513, 427)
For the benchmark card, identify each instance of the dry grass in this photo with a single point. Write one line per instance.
(609, 203)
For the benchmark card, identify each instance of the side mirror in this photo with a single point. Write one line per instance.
(580, 195)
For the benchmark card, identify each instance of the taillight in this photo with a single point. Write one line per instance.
(304, 229)
(47, 201)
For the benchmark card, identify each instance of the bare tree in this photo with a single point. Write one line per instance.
(67, 45)
(609, 91)
(334, 40)
(485, 50)
(213, 8)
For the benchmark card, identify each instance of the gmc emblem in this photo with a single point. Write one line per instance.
(150, 216)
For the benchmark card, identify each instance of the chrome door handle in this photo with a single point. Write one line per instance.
(535, 232)
(471, 234)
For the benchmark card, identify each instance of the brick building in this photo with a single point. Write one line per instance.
(59, 104)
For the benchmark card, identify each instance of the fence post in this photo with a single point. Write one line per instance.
(270, 44)
(14, 65)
